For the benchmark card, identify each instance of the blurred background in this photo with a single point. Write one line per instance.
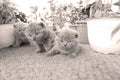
(58, 11)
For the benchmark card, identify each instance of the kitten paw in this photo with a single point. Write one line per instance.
(15, 45)
(52, 54)
(49, 55)
(40, 51)
(37, 51)
(73, 55)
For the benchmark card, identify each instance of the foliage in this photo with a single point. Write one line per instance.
(107, 12)
(78, 13)
(58, 15)
(62, 13)
(7, 14)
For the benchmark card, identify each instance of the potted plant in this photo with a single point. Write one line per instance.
(7, 11)
(7, 17)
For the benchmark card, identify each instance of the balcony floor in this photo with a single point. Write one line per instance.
(23, 64)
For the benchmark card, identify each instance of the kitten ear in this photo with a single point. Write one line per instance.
(42, 25)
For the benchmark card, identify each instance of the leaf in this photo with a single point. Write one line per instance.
(115, 30)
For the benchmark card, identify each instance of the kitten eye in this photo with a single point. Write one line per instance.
(76, 36)
(30, 35)
(53, 41)
(42, 24)
(61, 41)
(19, 30)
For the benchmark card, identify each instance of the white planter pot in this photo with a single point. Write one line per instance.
(99, 35)
(6, 35)
(83, 33)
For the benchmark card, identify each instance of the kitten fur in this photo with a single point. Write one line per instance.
(19, 29)
(42, 37)
(66, 43)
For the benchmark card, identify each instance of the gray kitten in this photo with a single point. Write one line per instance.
(40, 35)
(20, 37)
(66, 43)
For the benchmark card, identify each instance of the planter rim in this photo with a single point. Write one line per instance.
(78, 25)
(104, 18)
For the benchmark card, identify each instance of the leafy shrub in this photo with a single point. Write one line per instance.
(7, 14)
(58, 14)
(79, 13)
(62, 13)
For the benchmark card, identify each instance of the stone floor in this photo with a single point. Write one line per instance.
(23, 64)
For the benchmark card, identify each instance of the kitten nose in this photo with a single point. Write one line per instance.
(65, 44)
(34, 38)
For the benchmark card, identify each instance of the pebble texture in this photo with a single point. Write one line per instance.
(23, 64)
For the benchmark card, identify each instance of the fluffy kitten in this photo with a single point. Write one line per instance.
(42, 37)
(66, 43)
(19, 29)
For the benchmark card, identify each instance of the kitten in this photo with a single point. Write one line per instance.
(66, 43)
(19, 29)
(42, 37)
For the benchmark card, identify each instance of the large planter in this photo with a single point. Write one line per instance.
(104, 35)
(6, 35)
(81, 27)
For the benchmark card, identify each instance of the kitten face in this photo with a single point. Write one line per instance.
(19, 28)
(19, 34)
(38, 35)
(67, 41)
(35, 31)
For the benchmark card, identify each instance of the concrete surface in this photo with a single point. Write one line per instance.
(23, 64)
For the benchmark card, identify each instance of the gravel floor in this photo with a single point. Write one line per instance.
(23, 64)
